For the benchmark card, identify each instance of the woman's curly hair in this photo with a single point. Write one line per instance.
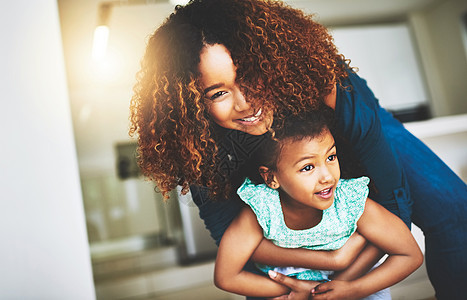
(286, 62)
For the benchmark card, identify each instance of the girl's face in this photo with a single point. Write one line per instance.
(227, 105)
(308, 172)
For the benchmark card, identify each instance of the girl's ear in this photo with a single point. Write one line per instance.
(269, 177)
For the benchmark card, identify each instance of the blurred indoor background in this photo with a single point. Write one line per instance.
(121, 240)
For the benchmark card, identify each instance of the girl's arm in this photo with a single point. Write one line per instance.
(237, 245)
(369, 256)
(387, 232)
(270, 254)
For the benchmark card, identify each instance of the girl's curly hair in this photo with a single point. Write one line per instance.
(286, 62)
(306, 125)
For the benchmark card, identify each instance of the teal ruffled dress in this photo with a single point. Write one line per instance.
(337, 224)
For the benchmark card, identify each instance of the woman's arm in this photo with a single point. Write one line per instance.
(237, 245)
(387, 232)
(270, 254)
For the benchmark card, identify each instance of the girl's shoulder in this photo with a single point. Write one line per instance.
(263, 200)
(252, 193)
(354, 184)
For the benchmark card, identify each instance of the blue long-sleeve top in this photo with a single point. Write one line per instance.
(357, 112)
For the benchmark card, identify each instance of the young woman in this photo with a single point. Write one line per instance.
(217, 74)
(296, 199)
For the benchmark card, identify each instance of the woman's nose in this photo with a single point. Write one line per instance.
(240, 102)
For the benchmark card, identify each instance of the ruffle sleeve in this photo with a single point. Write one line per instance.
(260, 198)
(351, 195)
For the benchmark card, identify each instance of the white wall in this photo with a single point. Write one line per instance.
(385, 56)
(439, 35)
(44, 252)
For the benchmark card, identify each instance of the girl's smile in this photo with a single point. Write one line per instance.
(326, 194)
(227, 105)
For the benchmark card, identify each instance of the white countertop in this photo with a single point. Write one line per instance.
(438, 126)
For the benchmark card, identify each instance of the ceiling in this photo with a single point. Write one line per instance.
(79, 18)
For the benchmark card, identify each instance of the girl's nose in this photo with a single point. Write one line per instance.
(325, 175)
(240, 102)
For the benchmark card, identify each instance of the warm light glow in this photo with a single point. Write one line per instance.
(99, 46)
(178, 2)
(108, 69)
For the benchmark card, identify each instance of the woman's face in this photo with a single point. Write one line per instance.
(227, 105)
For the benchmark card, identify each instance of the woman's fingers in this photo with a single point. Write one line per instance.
(299, 289)
(284, 280)
(294, 284)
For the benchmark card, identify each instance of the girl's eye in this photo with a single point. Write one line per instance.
(307, 168)
(217, 95)
(332, 157)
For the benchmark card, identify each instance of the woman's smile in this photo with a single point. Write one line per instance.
(253, 119)
(227, 104)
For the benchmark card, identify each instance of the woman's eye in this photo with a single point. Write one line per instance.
(307, 168)
(217, 95)
(332, 157)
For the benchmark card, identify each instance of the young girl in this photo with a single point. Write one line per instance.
(304, 203)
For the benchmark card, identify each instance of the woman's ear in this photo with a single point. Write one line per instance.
(269, 177)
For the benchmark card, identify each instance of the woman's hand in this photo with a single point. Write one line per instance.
(336, 289)
(300, 289)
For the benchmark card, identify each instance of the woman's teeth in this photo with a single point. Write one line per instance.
(253, 118)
